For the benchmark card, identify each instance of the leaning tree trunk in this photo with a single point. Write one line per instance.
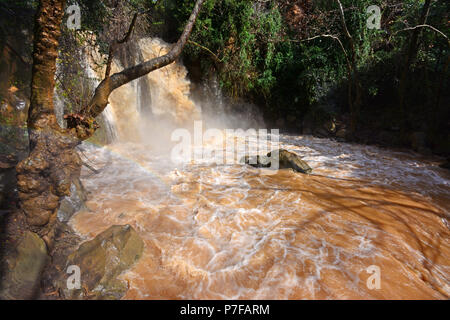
(409, 58)
(44, 177)
(100, 99)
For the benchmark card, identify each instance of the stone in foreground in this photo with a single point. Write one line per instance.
(21, 280)
(101, 261)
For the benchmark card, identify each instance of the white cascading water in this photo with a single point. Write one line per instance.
(107, 114)
(227, 232)
(169, 90)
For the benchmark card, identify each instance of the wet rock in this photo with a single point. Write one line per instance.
(8, 161)
(66, 242)
(330, 126)
(25, 265)
(101, 261)
(7, 179)
(257, 161)
(290, 160)
(73, 203)
(285, 159)
(7, 185)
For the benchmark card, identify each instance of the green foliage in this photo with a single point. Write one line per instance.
(261, 53)
(244, 36)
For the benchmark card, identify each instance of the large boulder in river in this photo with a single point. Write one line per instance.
(289, 160)
(285, 159)
(101, 261)
(23, 268)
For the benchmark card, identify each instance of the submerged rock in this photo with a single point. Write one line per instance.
(285, 159)
(22, 279)
(101, 261)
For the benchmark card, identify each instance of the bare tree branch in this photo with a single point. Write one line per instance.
(343, 23)
(423, 26)
(114, 44)
(215, 57)
(87, 165)
(334, 38)
(130, 30)
(100, 99)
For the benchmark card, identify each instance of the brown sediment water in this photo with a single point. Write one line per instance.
(232, 232)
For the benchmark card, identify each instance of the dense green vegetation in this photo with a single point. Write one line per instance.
(294, 60)
(264, 51)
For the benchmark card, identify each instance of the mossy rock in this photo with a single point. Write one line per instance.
(101, 261)
(25, 265)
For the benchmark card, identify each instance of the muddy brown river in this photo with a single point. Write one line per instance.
(369, 223)
(229, 232)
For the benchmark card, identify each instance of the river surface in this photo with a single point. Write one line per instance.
(369, 223)
(231, 232)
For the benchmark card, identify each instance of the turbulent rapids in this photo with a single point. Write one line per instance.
(232, 232)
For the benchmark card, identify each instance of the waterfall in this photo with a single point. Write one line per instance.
(106, 117)
(168, 88)
(58, 102)
(159, 99)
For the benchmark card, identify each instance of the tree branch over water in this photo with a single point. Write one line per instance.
(100, 99)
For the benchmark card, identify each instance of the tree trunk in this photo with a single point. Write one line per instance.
(410, 56)
(100, 99)
(44, 178)
(354, 84)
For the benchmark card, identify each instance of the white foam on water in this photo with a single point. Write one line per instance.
(227, 231)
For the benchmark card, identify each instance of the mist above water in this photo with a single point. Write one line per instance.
(227, 232)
